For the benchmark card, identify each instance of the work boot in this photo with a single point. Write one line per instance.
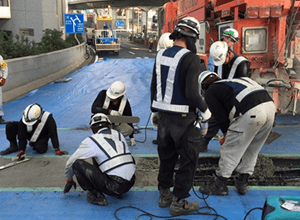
(2, 121)
(203, 144)
(181, 206)
(241, 183)
(97, 198)
(165, 198)
(13, 147)
(219, 187)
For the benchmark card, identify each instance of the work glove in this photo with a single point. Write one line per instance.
(222, 140)
(154, 119)
(60, 152)
(69, 184)
(21, 156)
(115, 113)
(2, 81)
(131, 142)
(204, 116)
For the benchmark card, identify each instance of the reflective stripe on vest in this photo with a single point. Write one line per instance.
(251, 86)
(164, 103)
(121, 107)
(233, 68)
(40, 127)
(115, 157)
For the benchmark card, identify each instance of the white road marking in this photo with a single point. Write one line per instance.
(131, 52)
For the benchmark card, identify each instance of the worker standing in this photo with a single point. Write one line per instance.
(113, 168)
(114, 102)
(3, 77)
(175, 96)
(164, 42)
(245, 113)
(151, 41)
(228, 65)
(36, 126)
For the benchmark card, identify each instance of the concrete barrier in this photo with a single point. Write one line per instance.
(29, 73)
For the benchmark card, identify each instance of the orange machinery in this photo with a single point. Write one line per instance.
(269, 33)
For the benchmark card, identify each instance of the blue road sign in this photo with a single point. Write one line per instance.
(74, 23)
(120, 24)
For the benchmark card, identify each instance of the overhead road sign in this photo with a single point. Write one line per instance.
(74, 23)
(120, 24)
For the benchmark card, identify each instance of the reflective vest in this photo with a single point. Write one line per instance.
(121, 107)
(237, 61)
(114, 150)
(168, 96)
(39, 128)
(244, 87)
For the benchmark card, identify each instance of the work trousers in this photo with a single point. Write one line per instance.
(124, 128)
(90, 177)
(12, 129)
(177, 137)
(245, 137)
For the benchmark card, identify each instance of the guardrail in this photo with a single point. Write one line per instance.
(29, 73)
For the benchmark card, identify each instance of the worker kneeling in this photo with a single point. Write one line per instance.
(245, 113)
(113, 169)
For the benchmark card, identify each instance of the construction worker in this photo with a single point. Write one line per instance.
(3, 77)
(114, 102)
(231, 37)
(113, 169)
(245, 113)
(228, 65)
(164, 42)
(151, 41)
(175, 96)
(36, 126)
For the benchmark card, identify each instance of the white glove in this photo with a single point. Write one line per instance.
(205, 116)
(131, 142)
(154, 119)
(115, 113)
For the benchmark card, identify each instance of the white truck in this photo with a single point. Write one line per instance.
(105, 37)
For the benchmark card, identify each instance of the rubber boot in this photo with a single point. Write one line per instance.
(219, 187)
(181, 206)
(2, 121)
(241, 183)
(13, 147)
(97, 198)
(165, 198)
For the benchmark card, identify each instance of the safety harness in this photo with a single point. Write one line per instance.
(116, 154)
(233, 68)
(39, 128)
(245, 89)
(165, 103)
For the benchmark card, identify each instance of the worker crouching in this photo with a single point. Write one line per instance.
(113, 168)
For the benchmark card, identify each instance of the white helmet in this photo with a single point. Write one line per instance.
(204, 77)
(190, 23)
(218, 52)
(231, 33)
(99, 120)
(116, 90)
(31, 114)
(164, 42)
